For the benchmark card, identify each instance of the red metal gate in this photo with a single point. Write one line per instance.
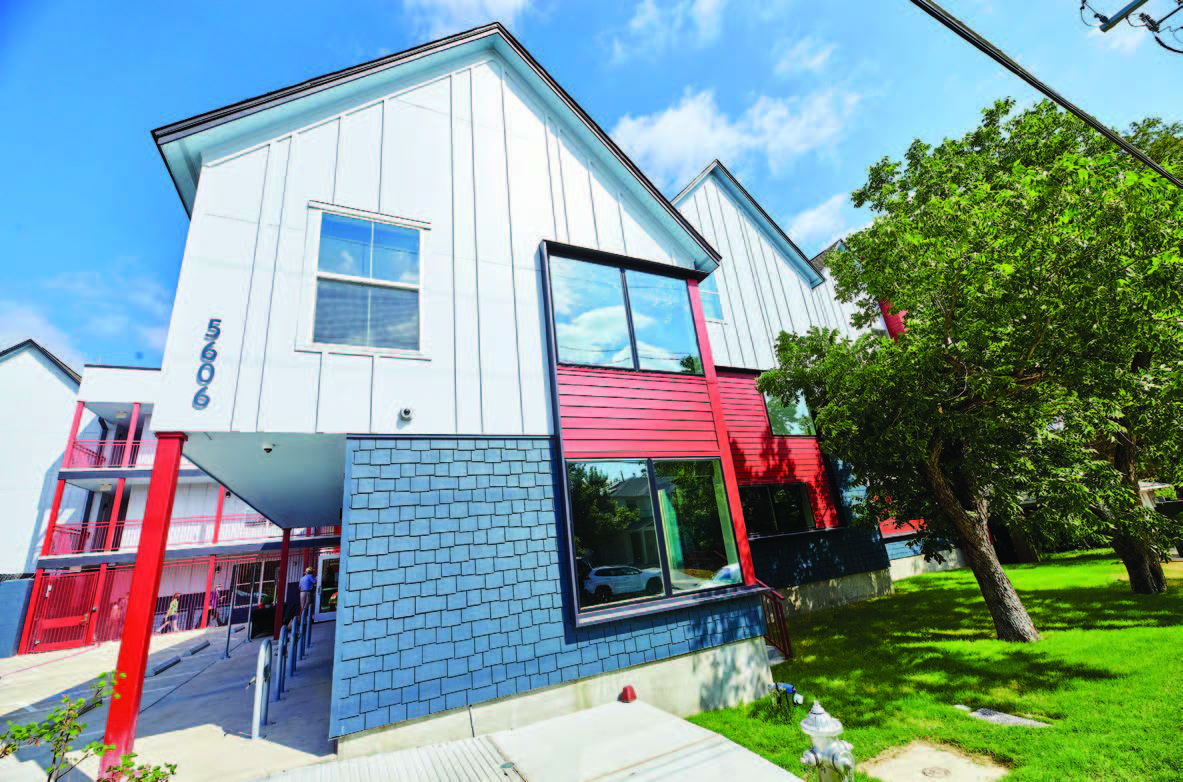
(62, 611)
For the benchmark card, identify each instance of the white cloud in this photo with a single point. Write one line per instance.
(808, 54)
(439, 18)
(1122, 39)
(656, 27)
(673, 145)
(121, 304)
(831, 219)
(19, 322)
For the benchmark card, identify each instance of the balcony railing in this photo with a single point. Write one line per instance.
(182, 532)
(110, 454)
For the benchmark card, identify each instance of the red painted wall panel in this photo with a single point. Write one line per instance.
(608, 412)
(762, 458)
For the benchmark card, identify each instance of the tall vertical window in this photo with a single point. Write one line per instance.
(663, 323)
(647, 529)
(591, 324)
(367, 284)
(791, 419)
(606, 316)
(712, 305)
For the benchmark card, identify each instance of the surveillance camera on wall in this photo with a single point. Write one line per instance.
(268, 447)
(406, 414)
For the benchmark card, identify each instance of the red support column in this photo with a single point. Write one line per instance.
(35, 598)
(729, 479)
(281, 582)
(73, 434)
(93, 619)
(51, 525)
(218, 513)
(114, 520)
(141, 606)
(131, 434)
(209, 586)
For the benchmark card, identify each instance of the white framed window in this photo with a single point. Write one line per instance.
(712, 304)
(367, 283)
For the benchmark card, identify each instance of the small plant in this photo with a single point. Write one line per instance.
(61, 728)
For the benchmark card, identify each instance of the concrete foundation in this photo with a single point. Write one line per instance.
(714, 678)
(907, 567)
(834, 592)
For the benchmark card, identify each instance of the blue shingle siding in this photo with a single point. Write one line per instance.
(451, 590)
(902, 548)
(791, 560)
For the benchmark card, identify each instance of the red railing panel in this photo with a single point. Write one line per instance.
(776, 621)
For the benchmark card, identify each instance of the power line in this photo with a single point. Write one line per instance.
(993, 52)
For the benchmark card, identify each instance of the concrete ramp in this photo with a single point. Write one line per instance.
(632, 741)
(610, 743)
(471, 760)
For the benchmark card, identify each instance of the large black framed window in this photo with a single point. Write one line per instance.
(780, 509)
(644, 530)
(618, 318)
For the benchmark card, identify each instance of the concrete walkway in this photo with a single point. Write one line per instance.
(609, 743)
(195, 714)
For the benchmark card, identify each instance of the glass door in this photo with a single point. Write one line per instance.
(328, 567)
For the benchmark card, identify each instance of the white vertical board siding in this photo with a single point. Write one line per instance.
(358, 178)
(606, 211)
(724, 349)
(417, 155)
(532, 215)
(501, 399)
(258, 312)
(214, 283)
(761, 291)
(581, 221)
(291, 379)
(344, 403)
(473, 155)
(465, 305)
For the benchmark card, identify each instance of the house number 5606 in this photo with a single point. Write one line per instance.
(205, 372)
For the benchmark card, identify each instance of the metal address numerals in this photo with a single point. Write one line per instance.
(205, 372)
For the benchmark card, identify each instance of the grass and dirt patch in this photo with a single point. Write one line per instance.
(1108, 675)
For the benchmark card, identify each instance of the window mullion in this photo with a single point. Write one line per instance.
(659, 518)
(632, 333)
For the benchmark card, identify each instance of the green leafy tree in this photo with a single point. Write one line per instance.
(1039, 268)
(61, 728)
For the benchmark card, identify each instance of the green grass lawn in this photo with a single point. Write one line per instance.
(1108, 675)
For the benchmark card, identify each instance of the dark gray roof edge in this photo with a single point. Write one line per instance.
(187, 127)
(718, 164)
(62, 365)
(818, 261)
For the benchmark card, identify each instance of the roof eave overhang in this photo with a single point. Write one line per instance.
(172, 139)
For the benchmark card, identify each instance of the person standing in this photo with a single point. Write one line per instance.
(307, 587)
(171, 616)
(215, 614)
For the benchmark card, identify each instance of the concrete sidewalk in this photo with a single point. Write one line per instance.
(609, 743)
(195, 714)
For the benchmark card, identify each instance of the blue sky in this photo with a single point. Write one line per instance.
(798, 98)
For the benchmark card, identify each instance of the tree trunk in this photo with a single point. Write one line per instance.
(1011, 622)
(1141, 564)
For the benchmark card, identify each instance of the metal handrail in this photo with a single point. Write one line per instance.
(776, 623)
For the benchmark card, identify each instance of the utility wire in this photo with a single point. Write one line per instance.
(1000, 57)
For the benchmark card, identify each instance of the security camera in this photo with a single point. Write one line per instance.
(268, 447)
(406, 413)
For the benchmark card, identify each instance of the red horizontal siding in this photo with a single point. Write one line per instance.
(608, 413)
(762, 458)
